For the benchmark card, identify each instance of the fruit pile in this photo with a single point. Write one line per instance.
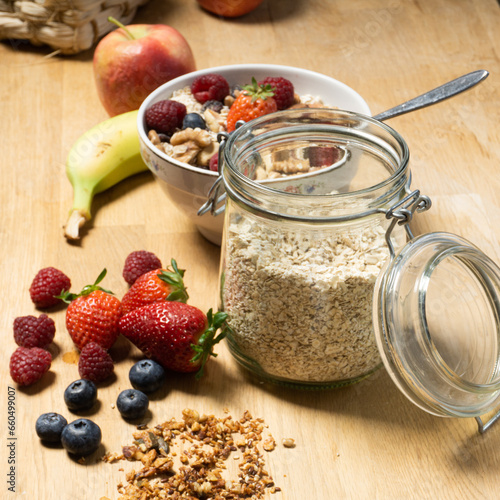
(153, 315)
(190, 134)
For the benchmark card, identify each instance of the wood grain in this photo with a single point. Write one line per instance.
(362, 442)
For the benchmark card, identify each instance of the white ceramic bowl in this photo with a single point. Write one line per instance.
(188, 186)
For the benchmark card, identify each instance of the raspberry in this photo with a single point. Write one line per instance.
(46, 285)
(213, 165)
(95, 364)
(27, 365)
(210, 87)
(322, 156)
(165, 116)
(283, 90)
(138, 263)
(30, 331)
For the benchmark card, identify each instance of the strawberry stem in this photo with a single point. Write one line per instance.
(204, 348)
(122, 26)
(174, 277)
(257, 91)
(68, 297)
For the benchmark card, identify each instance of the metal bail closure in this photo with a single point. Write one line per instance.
(402, 213)
(214, 196)
(436, 319)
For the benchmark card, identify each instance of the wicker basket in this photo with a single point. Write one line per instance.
(68, 26)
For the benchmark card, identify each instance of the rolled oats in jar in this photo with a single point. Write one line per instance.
(300, 259)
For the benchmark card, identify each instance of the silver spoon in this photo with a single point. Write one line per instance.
(434, 96)
(439, 94)
(450, 89)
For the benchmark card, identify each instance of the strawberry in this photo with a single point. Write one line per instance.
(178, 336)
(253, 101)
(155, 286)
(92, 315)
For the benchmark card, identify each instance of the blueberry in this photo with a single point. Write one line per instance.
(81, 437)
(132, 403)
(80, 395)
(49, 427)
(213, 105)
(147, 376)
(193, 120)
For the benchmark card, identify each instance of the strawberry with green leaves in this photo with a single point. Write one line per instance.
(156, 286)
(178, 336)
(253, 101)
(92, 315)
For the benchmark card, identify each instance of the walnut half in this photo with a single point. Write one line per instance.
(200, 137)
(186, 151)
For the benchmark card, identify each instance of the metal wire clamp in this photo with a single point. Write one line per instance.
(402, 212)
(214, 198)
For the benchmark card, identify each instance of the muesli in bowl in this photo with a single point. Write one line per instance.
(182, 155)
(186, 126)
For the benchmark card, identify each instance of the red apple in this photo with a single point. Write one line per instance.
(229, 8)
(132, 61)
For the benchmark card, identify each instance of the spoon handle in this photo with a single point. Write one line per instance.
(437, 95)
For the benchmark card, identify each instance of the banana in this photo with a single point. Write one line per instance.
(103, 156)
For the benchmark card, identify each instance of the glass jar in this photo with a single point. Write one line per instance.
(301, 254)
(319, 282)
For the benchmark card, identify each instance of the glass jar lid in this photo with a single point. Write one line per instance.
(436, 319)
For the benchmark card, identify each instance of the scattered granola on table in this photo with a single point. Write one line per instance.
(186, 459)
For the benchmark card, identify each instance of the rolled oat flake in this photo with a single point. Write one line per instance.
(323, 281)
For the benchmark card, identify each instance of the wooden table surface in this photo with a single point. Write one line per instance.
(365, 441)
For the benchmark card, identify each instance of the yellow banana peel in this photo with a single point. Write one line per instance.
(103, 156)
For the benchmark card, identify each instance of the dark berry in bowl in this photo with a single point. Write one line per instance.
(147, 376)
(208, 87)
(81, 437)
(284, 92)
(49, 427)
(213, 105)
(213, 165)
(132, 404)
(80, 395)
(165, 116)
(194, 120)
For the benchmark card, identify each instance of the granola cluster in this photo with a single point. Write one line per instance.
(201, 446)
